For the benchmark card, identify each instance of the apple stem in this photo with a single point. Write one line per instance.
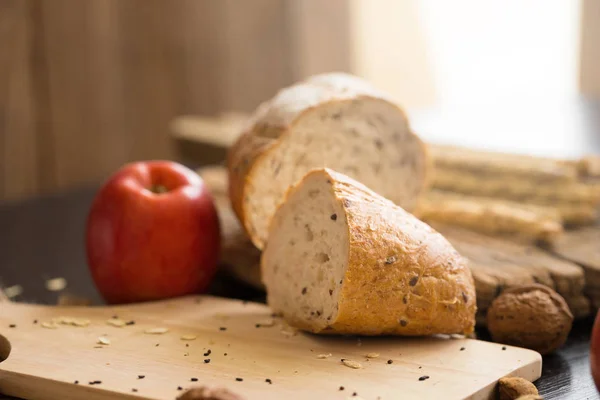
(159, 189)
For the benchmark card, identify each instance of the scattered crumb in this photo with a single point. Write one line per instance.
(188, 337)
(49, 325)
(156, 331)
(372, 355)
(56, 284)
(324, 355)
(13, 291)
(351, 364)
(205, 393)
(103, 340)
(80, 322)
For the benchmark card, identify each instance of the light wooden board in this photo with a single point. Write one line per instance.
(43, 363)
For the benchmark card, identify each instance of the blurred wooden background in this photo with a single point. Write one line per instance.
(87, 85)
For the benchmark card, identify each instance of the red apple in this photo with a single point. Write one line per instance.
(152, 233)
(595, 351)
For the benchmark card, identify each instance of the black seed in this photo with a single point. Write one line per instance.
(336, 115)
(12, 326)
(115, 316)
(157, 344)
(503, 347)
(134, 390)
(35, 321)
(390, 260)
(270, 382)
(187, 345)
(424, 377)
(244, 302)
(340, 281)
(224, 354)
(194, 379)
(207, 360)
(239, 379)
(179, 388)
(462, 349)
(304, 290)
(130, 323)
(389, 361)
(312, 313)
(333, 217)
(378, 143)
(257, 325)
(222, 328)
(354, 394)
(420, 367)
(76, 382)
(330, 292)
(465, 297)
(141, 376)
(341, 388)
(207, 353)
(404, 299)
(403, 322)
(329, 181)
(413, 281)
(318, 313)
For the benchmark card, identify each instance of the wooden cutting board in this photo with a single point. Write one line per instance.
(44, 363)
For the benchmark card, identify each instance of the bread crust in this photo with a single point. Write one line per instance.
(402, 278)
(274, 119)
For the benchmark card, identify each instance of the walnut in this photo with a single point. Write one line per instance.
(205, 393)
(514, 388)
(532, 316)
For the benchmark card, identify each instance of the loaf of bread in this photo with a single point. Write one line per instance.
(342, 259)
(333, 120)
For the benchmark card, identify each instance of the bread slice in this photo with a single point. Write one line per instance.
(342, 259)
(333, 120)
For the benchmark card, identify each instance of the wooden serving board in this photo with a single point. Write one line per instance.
(43, 363)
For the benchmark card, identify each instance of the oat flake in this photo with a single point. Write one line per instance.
(351, 364)
(103, 340)
(188, 337)
(116, 322)
(156, 331)
(372, 355)
(56, 284)
(324, 355)
(49, 325)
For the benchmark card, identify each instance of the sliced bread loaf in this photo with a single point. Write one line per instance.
(342, 259)
(333, 120)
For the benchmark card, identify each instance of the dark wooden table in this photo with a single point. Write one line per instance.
(44, 238)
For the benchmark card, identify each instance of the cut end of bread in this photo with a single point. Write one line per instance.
(342, 259)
